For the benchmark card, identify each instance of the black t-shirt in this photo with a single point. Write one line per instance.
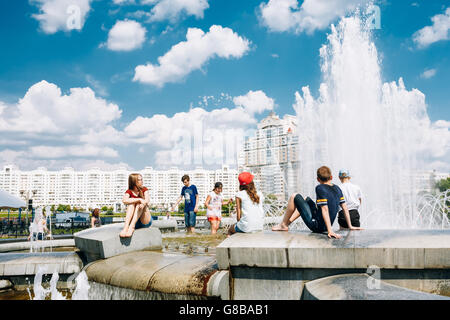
(332, 197)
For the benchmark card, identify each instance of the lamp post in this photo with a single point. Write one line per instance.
(28, 195)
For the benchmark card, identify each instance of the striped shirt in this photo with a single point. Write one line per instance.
(332, 197)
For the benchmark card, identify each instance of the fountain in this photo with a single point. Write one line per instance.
(369, 127)
(79, 292)
(356, 110)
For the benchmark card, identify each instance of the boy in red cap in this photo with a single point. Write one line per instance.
(318, 218)
(249, 209)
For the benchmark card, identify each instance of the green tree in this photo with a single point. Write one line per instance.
(227, 208)
(269, 198)
(181, 207)
(443, 185)
(104, 208)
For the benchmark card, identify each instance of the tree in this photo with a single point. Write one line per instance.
(443, 185)
(227, 208)
(181, 207)
(104, 208)
(269, 198)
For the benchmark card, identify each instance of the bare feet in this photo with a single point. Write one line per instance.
(280, 227)
(123, 233)
(130, 232)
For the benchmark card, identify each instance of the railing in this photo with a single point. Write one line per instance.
(15, 228)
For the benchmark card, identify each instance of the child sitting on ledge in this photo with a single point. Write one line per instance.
(249, 209)
(319, 219)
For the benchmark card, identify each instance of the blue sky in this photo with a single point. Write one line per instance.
(272, 60)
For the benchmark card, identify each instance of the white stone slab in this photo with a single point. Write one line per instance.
(104, 242)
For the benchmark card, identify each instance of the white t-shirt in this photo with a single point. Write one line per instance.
(351, 193)
(252, 214)
(216, 204)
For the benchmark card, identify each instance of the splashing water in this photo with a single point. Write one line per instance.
(81, 291)
(82, 287)
(373, 129)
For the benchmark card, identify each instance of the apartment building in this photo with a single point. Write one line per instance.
(272, 155)
(98, 188)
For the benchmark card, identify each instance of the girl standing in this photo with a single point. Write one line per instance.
(213, 203)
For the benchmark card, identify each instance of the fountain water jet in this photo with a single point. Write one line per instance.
(373, 129)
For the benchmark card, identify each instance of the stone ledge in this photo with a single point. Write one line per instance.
(21, 264)
(104, 242)
(393, 249)
(361, 287)
(17, 246)
(170, 274)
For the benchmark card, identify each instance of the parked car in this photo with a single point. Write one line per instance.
(69, 219)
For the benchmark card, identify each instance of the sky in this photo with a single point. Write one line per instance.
(162, 83)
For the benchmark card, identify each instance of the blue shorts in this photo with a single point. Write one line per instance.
(140, 225)
(237, 229)
(190, 219)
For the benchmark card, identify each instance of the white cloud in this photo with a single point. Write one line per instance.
(173, 9)
(254, 102)
(427, 74)
(438, 31)
(288, 15)
(24, 162)
(429, 141)
(59, 113)
(46, 125)
(51, 129)
(196, 137)
(61, 15)
(98, 87)
(126, 35)
(123, 2)
(192, 54)
(77, 151)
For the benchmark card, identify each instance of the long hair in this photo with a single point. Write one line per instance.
(132, 183)
(251, 191)
(96, 212)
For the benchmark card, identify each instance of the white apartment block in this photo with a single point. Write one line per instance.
(426, 180)
(272, 155)
(97, 188)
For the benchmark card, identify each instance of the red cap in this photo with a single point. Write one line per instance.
(245, 178)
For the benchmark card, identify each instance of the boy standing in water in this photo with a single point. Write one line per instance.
(318, 219)
(352, 195)
(190, 194)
